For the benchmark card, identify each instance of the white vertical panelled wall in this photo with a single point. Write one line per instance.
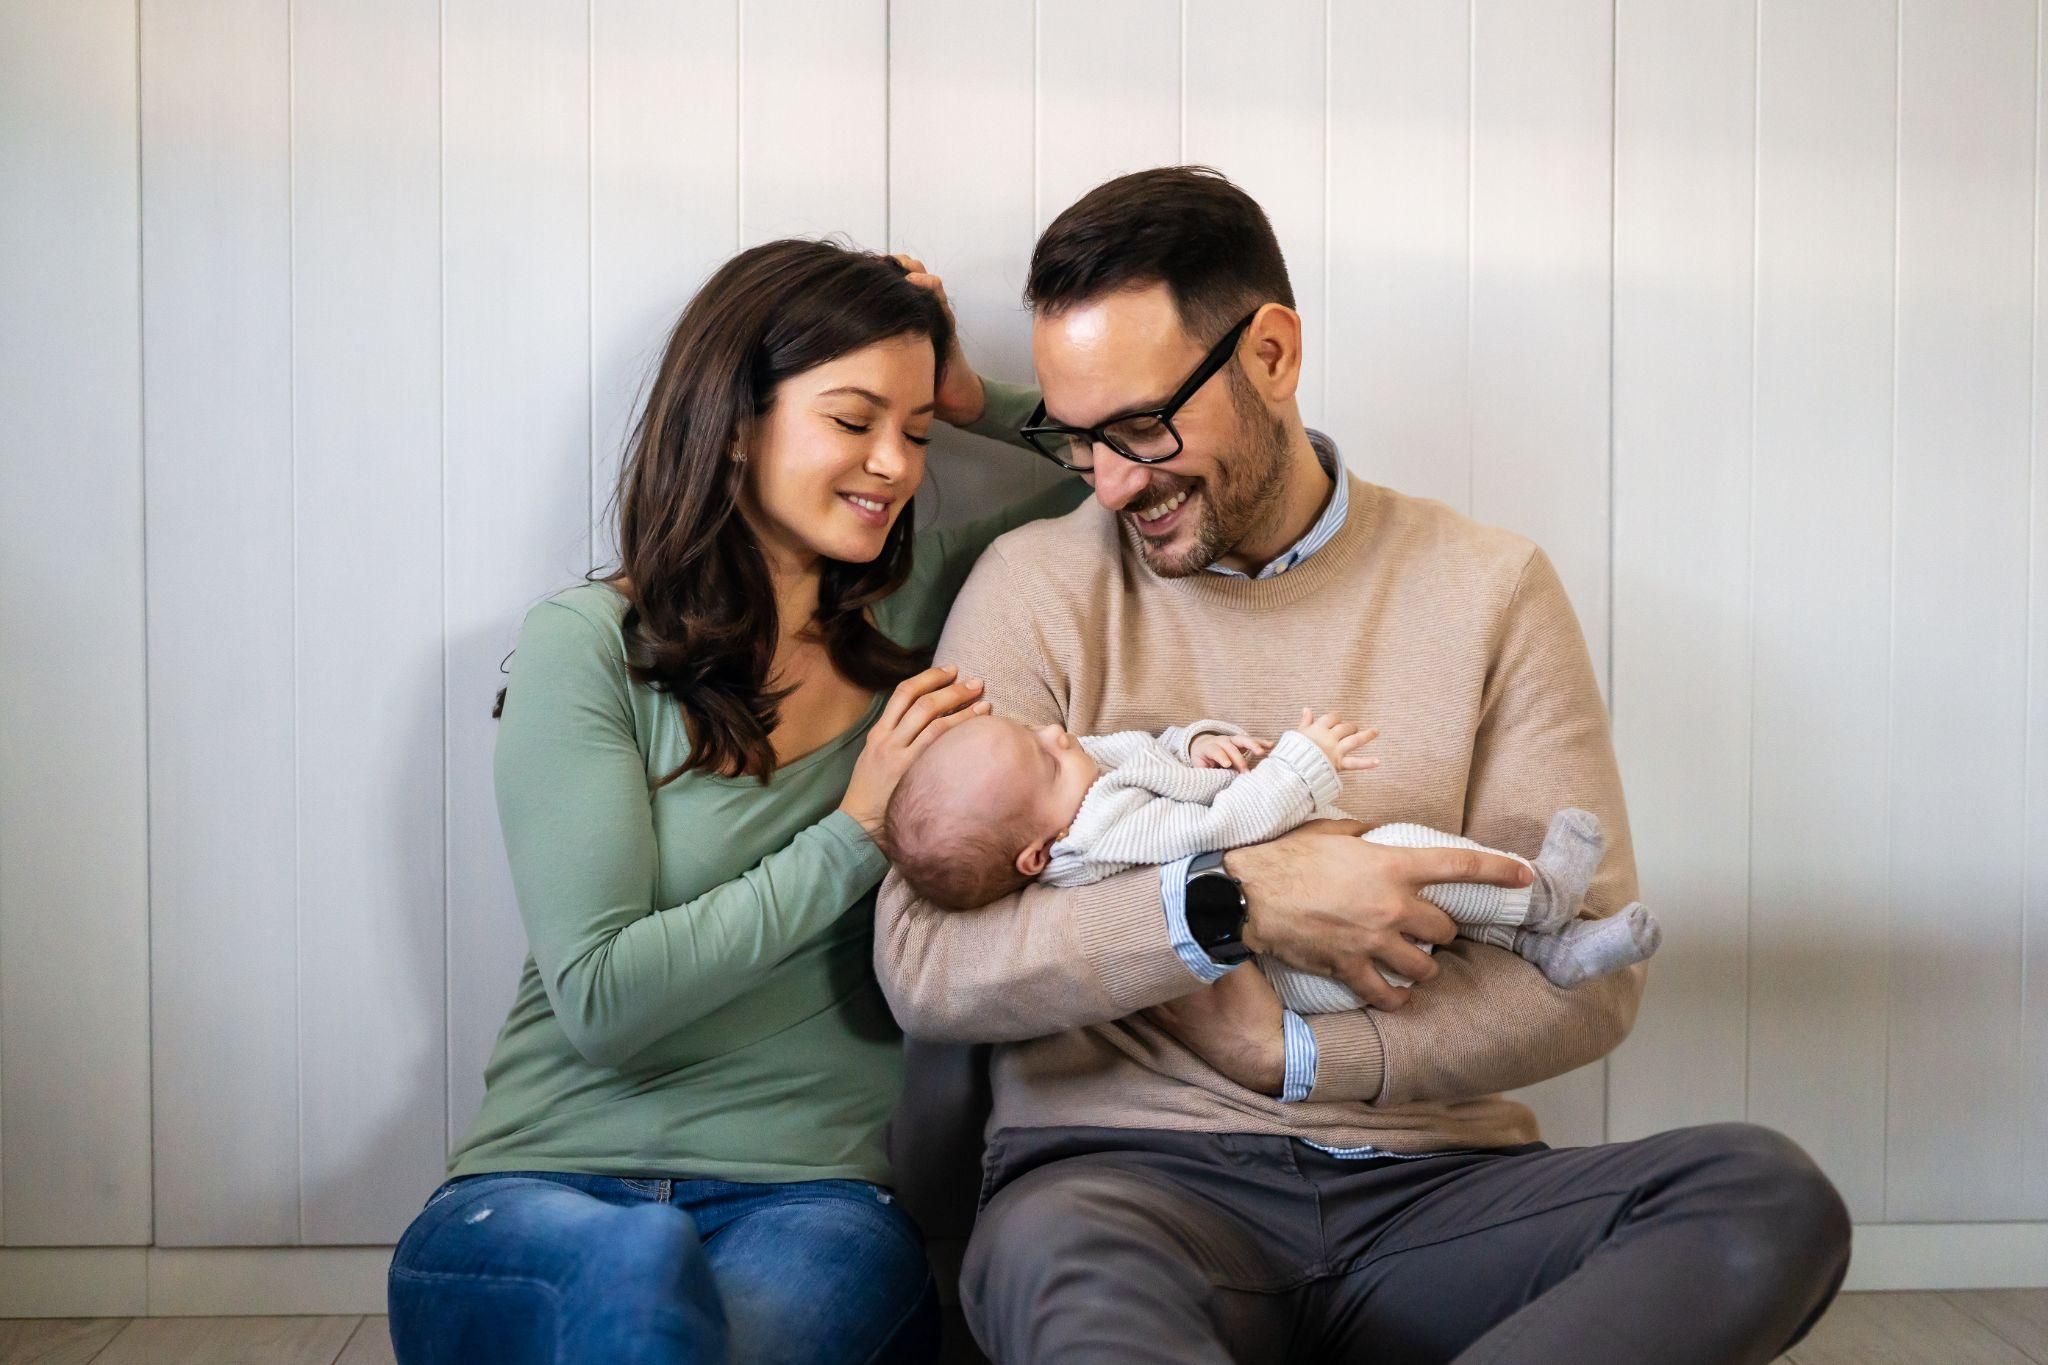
(326, 322)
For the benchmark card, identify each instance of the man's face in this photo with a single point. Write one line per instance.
(1126, 351)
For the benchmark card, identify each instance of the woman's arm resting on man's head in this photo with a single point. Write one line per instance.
(579, 834)
(1489, 1021)
(1006, 409)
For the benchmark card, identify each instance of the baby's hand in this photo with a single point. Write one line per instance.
(1227, 751)
(1339, 740)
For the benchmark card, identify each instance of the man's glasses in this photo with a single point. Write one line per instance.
(1146, 437)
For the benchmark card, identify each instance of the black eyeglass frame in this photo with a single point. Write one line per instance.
(1037, 427)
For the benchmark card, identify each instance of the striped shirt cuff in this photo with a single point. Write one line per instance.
(1301, 1058)
(1173, 894)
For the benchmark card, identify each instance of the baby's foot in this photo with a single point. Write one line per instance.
(1572, 849)
(1588, 948)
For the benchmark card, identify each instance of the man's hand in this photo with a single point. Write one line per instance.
(1234, 1026)
(1329, 902)
(960, 398)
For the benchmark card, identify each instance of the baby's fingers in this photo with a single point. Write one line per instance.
(1357, 763)
(1350, 742)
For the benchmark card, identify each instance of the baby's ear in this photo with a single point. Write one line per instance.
(1033, 859)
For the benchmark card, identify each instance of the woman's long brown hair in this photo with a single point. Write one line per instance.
(700, 623)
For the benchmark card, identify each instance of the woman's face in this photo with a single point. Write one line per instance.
(835, 459)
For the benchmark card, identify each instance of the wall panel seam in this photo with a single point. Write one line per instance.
(1891, 582)
(142, 519)
(888, 124)
(1613, 226)
(447, 766)
(291, 292)
(1756, 171)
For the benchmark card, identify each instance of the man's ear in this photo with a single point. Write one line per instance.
(1272, 352)
(1033, 859)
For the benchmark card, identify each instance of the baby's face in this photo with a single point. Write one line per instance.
(1044, 765)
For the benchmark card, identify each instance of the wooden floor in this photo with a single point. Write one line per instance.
(1982, 1327)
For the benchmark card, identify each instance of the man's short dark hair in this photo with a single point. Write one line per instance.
(1186, 227)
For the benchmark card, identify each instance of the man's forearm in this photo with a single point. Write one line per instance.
(1039, 962)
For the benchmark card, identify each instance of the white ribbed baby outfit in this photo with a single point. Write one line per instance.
(1152, 805)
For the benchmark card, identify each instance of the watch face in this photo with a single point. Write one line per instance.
(1215, 911)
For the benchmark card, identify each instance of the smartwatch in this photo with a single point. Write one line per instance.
(1216, 910)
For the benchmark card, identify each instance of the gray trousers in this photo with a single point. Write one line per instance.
(1717, 1244)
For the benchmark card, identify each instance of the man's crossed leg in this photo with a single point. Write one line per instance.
(1717, 1244)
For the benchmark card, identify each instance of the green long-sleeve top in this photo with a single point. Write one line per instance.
(698, 999)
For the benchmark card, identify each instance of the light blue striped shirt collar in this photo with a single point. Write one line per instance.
(1326, 526)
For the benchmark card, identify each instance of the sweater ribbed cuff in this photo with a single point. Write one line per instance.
(1486, 907)
(1173, 901)
(1123, 933)
(1182, 737)
(1300, 753)
(1351, 1061)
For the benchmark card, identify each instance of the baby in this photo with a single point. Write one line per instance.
(993, 804)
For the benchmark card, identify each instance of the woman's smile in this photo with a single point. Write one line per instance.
(870, 508)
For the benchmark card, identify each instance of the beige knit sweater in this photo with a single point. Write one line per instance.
(1457, 642)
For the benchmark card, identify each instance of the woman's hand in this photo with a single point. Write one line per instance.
(921, 709)
(960, 398)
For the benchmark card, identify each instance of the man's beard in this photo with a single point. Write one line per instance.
(1233, 503)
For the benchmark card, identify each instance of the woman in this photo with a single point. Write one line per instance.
(679, 1155)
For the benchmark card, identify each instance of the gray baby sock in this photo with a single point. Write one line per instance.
(1585, 949)
(1572, 849)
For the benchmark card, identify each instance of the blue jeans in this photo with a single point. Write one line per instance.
(541, 1268)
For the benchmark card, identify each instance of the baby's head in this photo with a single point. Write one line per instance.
(977, 813)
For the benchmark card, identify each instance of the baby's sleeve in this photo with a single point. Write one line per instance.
(1123, 748)
(1157, 827)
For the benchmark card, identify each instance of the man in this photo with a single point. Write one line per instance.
(1178, 1169)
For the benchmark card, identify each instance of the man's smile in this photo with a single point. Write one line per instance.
(1159, 511)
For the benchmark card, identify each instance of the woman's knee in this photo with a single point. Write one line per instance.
(526, 1269)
